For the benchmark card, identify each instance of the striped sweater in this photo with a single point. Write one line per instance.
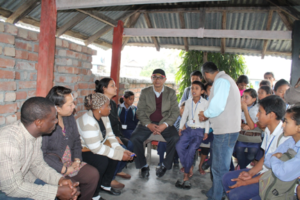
(91, 137)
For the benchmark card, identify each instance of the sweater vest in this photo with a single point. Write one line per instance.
(157, 116)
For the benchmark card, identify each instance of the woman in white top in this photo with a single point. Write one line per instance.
(249, 120)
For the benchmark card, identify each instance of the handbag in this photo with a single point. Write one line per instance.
(250, 136)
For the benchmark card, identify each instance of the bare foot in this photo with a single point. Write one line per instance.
(182, 169)
(186, 177)
(191, 172)
(202, 172)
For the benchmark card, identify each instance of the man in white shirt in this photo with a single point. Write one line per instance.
(243, 184)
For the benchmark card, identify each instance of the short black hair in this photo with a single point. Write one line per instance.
(242, 79)
(295, 111)
(126, 95)
(267, 89)
(269, 73)
(279, 83)
(209, 67)
(182, 104)
(252, 92)
(57, 95)
(275, 104)
(35, 108)
(103, 83)
(200, 84)
(197, 73)
(265, 82)
(207, 85)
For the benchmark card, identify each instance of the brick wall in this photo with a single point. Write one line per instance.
(18, 69)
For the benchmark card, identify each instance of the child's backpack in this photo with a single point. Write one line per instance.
(133, 108)
(271, 188)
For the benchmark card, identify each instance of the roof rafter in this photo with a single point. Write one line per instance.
(99, 16)
(70, 24)
(269, 23)
(285, 20)
(22, 11)
(131, 23)
(182, 25)
(286, 8)
(223, 40)
(154, 39)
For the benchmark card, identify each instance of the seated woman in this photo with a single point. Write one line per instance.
(62, 149)
(249, 120)
(108, 87)
(100, 146)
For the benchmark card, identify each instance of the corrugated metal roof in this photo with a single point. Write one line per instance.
(235, 21)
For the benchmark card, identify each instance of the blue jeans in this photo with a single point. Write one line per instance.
(244, 158)
(122, 164)
(161, 150)
(222, 150)
(4, 197)
(240, 193)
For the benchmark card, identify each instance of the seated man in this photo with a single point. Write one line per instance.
(157, 111)
(23, 172)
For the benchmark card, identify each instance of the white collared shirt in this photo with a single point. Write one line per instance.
(270, 148)
(157, 94)
(191, 111)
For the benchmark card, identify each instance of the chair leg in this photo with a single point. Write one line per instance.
(149, 147)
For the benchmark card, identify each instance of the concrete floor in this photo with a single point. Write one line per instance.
(160, 188)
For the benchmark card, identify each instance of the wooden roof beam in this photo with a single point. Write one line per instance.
(285, 20)
(154, 39)
(182, 25)
(70, 24)
(223, 40)
(131, 23)
(99, 16)
(269, 23)
(107, 28)
(22, 11)
(288, 9)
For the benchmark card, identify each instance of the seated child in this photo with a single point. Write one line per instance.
(162, 146)
(288, 170)
(127, 114)
(265, 83)
(264, 91)
(249, 120)
(280, 88)
(191, 138)
(242, 83)
(243, 184)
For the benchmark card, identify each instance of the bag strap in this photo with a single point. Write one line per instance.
(279, 138)
(119, 110)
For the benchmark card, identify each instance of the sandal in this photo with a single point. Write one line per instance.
(178, 184)
(186, 185)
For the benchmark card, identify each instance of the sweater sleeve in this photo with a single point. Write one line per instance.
(76, 148)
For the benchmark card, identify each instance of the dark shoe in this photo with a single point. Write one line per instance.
(161, 171)
(145, 172)
(112, 191)
(205, 166)
(186, 185)
(101, 198)
(178, 184)
(176, 166)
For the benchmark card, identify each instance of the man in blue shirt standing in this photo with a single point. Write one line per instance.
(224, 114)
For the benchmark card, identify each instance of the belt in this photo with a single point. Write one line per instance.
(250, 133)
(84, 149)
(195, 127)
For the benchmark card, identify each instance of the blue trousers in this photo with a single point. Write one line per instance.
(187, 144)
(4, 197)
(244, 158)
(161, 150)
(127, 133)
(122, 164)
(222, 150)
(241, 193)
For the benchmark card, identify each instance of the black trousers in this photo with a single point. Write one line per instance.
(141, 133)
(105, 166)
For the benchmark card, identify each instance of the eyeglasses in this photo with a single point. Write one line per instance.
(158, 77)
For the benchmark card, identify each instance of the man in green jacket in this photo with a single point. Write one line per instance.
(157, 111)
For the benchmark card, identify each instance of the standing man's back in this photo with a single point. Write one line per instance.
(224, 114)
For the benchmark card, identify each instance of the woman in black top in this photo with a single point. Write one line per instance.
(107, 87)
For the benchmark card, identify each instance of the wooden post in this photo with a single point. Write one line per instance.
(116, 55)
(295, 72)
(46, 48)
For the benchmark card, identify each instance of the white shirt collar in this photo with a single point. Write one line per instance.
(277, 131)
(157, 94)
(123, 106)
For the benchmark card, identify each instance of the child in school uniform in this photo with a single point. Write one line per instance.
(288, 170)
(244, 184)
(191, 138)
(127, 114)
(249, 120)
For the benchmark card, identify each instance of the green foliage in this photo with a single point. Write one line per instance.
(152, 65)
(234, 65)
